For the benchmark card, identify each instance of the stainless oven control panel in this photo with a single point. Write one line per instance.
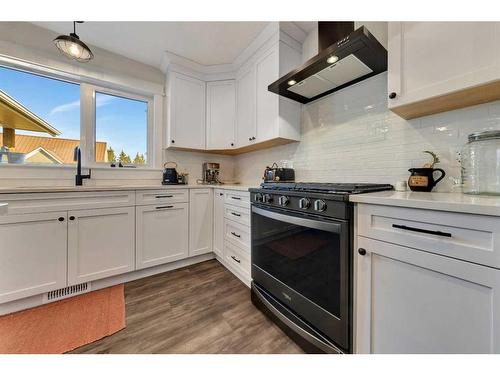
(318, 204)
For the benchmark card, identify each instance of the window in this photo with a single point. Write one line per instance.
(39, 118)
(121, 130)
(43, 118)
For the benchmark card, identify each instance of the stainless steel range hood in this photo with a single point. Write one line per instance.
(346, 56)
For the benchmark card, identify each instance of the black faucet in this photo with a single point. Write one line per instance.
(79, 177)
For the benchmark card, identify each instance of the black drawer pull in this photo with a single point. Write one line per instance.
(164, 196)
(160, 207)
(235, 259)
(235, 214)
(419, 230)
(237, 198)
(236, 235)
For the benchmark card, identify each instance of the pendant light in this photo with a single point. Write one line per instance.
(71, 46)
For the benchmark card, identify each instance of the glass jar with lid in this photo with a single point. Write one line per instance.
(481, 163)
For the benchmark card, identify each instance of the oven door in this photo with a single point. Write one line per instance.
(303, 262)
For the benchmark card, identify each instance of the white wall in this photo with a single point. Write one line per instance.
(351, 136)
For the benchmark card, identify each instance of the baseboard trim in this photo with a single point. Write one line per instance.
(34, 301)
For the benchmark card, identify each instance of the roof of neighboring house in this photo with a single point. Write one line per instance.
(16, 116)
(60, 148)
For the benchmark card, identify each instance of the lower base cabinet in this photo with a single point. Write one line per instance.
(32, 254)
(412, 301)
(161, 234)
(101, 243)
(200, 221)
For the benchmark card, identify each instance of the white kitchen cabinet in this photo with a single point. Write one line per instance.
(221, 115)
(267, 71)
(264, 118)
(429, 72)
(101, 243)
(246, 128)
(219, 223)
(200, 221)
(186, 112)
(32, 254)
(162, 234)
(411, 301)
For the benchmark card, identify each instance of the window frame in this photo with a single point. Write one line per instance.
(88, 116)
(88, 88)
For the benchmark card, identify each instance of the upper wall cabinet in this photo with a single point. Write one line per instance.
(185, 112)
(241, 113)
(264, 118)
(439, 66)
(221, 115)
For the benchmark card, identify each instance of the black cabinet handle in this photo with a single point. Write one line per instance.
(172, 141)
(250, 138)
(392, 95)
(61, 219)
(164, 196)
(221, 194)
(253, 139)
(236, 235)
(361, 251)
(235, 214)
(72, 218)
(420, 230)
(237, 198)
(232, 144)
(235, 259)
(161, 207)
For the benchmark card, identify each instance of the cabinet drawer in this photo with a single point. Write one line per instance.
(237, 234)
(161, 196)
(28, 203)
(238, 214)
(237, 259)
(474, 238)
(238, 198)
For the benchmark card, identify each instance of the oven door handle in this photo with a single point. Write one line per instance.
(315, 224)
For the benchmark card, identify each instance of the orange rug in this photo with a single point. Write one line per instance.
(64, 325)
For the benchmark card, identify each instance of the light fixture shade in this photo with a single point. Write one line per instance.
(71, 46)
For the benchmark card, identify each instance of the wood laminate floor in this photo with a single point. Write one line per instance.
(198, 309)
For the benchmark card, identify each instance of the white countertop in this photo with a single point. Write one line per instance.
(456, 202)
(63, 189)
(4, 208)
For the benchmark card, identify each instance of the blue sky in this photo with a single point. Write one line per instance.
(120, 122)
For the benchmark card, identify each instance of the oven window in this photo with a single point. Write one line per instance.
(305, 259)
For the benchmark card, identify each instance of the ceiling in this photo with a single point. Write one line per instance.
(207, 43)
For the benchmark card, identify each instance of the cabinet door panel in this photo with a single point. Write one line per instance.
(410, 301)
(161, 234)
(245, 108)
(101, 243)
(427, 59)
(200, 221)
(187, 112)
(219, 223)
(267, 71)
(221, 112)
(32, 254)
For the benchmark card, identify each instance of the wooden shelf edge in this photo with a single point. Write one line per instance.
(454, 100)
(242, 150)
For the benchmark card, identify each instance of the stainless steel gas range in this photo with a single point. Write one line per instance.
(302, 261)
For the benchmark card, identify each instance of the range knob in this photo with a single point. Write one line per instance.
(268, 198)
(283, 200)
(258, 197)
(319, 205)
(304, 203)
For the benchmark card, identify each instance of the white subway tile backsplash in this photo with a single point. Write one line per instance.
(352, 136)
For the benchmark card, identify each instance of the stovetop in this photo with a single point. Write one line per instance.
(326, 188)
